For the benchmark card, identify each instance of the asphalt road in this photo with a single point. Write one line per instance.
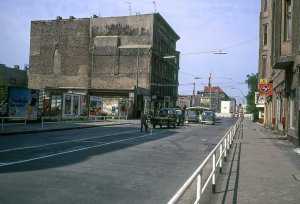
(116, 164)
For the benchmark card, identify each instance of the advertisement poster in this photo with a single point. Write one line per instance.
(96, 105)
(111, 106)
(124, 105)
(23, 102)
(3, 100)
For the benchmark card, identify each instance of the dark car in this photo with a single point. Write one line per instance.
(166, 117)
(208, 117)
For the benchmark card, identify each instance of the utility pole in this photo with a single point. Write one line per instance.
(129, 6)
(209, 85)
(154, 6)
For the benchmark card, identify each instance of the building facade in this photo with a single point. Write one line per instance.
(183, 101)
(280, 63)
(10, 77)
(113, 66)
(211, 97)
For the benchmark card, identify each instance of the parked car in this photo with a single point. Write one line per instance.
(208, 117)
(194, 114)
(191, 117)
(166, 117)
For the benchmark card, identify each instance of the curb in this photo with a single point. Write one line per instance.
(54, 129)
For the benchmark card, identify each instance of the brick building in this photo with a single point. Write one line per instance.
(279, 64)
(112, 66)
(211, 97)
(10, 77)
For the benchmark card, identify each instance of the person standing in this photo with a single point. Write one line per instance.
(144, 122)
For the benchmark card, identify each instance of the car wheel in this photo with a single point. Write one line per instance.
(154, 126)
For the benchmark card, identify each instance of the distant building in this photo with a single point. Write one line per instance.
(10, 77)
(112, 65)
(226, 107)
(211, 97)
(13, 76)
(183, 100)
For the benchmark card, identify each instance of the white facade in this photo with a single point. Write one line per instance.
(225, 106)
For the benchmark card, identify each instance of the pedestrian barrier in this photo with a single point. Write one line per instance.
(216, 156)
(82, 119)
(12, 119)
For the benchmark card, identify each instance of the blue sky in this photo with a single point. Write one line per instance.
(202, 25)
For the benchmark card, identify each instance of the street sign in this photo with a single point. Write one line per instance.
(263, 81)
(265, 89)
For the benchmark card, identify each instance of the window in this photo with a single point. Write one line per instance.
(12, 80)
(265, 35)
(292, 109)
(265, 5)
(288, 20)
(264, 67)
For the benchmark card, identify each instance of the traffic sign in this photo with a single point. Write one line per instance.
(266, 89)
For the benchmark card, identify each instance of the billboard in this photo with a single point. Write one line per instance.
(23, 102)
(96, 105)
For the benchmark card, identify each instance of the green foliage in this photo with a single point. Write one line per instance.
(252, 81)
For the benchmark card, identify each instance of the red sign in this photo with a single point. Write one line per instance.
(265, 89)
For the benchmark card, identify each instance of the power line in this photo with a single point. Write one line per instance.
(220, 50)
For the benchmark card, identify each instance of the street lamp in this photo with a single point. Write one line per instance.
(239, 90)
(138, 47)
(171, 57)
(193, 101)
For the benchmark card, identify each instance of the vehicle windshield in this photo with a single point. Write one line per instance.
(207, 113)
(179, 111)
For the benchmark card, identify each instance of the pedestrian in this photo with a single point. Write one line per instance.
(144, 122)
(183, 114)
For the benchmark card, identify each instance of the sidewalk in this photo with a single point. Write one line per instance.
(17, 129)
(259, 169)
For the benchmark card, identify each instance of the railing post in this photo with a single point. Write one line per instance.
(225, 149)
(227, 145)
(214, 174)
(221, 157)
(199, 185)
(230, 135)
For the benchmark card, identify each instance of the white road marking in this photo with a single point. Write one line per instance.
(76, 150)
(55, 143)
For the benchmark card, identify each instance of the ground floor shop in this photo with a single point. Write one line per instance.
(76, 102)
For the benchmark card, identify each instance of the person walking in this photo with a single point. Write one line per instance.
(144, 122)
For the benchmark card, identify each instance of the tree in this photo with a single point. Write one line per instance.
(252, 81)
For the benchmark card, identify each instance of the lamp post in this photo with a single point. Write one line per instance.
(137, 47)
(240, 91)
(193, 100)
(175, 61)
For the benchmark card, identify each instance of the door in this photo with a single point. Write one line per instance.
(71, 105)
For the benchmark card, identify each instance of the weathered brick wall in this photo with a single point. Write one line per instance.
(116, 68)
(70, 40)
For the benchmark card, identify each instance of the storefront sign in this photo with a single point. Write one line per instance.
(259, 100)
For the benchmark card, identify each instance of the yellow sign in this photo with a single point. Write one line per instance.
(263, 81)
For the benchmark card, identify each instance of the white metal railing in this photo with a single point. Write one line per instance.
(221, 150)
(83, 119)
(14, 119)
